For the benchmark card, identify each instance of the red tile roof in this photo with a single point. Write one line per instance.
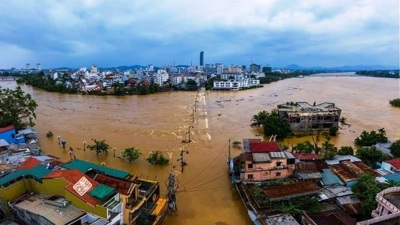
(72, 177)
(28, 164)
(307, 156)
(7, 128)
(263, 147)
(122, 186)
(394, 162)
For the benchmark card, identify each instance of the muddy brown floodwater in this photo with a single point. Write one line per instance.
(161, 121)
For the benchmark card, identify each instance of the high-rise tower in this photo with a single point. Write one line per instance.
(201, 58)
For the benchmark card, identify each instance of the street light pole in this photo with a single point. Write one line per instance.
(84, 145)
(114, 151)
(183, 163)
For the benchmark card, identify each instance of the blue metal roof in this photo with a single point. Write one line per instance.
(329, 178)
(394, 177)
(38, 172)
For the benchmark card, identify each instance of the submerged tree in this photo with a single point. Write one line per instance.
(99, 146)
(157, 158)
(131, 154)
(370, 156)
(259, 118)
(17, 108)
(274, 125)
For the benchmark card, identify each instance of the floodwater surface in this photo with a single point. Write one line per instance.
(162, 121)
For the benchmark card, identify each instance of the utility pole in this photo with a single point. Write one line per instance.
(190, 126)
(183, 163)
(172, 188)
(193, 116)
(229, 157)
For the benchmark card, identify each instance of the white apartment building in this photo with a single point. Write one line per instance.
(236, 84)
(160, 77)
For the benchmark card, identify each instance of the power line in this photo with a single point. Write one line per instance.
(202, 184)
(208, 166)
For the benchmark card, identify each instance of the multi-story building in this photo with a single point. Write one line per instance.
(303, 116)
(160, 77)
(81, 193)
(264, 161)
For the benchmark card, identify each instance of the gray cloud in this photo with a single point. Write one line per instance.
(110, 33)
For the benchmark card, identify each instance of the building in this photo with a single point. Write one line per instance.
(8, 133)
(98, 194)
(330, 217)
(348, 172)
(265, 161)
(303, 116)
(388, 210)
(254, 68)
(201, 58)
(391, 165)
(160, 77)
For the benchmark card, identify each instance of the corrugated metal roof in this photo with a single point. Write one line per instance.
(308, 175)
(394, 177)
(84, 166)
(3, 143)
(289, 155)
(338, 158)
(288, 191)
(37, 172)
(277, 155)
(261, 157)
(329, 178)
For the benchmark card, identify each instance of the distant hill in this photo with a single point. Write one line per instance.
(341, 68)
(123, 68)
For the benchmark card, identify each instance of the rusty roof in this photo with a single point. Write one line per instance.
(288, 191)
(72, 177)
(331, 217)
(122, 186)
(29, 163)
(306, 156)
(343, 172)
(366, 169)
(306, 167)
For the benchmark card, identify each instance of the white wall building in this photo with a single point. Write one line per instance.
(160, 77)
(236, 84)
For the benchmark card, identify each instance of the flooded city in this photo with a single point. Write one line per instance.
(166, 121)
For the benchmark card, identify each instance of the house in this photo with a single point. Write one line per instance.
(282, 219)
(8, 133)
(310, 170)
(384, 148)
(329, 178)
(337, 159)
(306, 157)
(303, 116)
(391, 165)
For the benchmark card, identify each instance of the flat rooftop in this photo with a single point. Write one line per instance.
(57, 215)
(393, 198)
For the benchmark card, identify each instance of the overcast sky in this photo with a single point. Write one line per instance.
(77, 33)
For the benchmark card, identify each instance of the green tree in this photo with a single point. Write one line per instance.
(191, 82)
(259, 118)
(17, 108)
(304, 147)
(395, 149)
(366, 189)
(131, 154)
(395, 102)
(333, 130)
(274, 125)
(346, 150)
(99, 146)
(371, 138)
(370, 156)
(329, 150)
(157, 158)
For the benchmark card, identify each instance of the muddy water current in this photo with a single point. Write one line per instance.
(161, 122)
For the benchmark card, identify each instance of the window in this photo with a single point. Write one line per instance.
(278, 174)
(250, 166)
(278, 163)
(12, 135)
(250, 176)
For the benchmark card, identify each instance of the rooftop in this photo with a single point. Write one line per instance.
(349, 171)
(288, 191)
(29, 163)
(79, 184)
(262, 147)
(307, 156)
(122, 186)
(38, 172)
(84, 166)
(331, 217)
(339, 158)
(394, 162)
(261, 157)
(7, 128)
(57, 215)
(281, 219)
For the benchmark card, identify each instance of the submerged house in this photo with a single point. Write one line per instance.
(303, 116)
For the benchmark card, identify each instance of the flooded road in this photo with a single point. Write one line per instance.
(161, 121)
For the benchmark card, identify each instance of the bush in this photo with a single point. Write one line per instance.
(49, 134)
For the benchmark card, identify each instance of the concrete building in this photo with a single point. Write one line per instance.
(201, 58)
(160, 77)
(254, 68)
(303, 116)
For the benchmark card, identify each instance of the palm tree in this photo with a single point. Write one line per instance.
(259, 118)
(99, 146)
(131, 154)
